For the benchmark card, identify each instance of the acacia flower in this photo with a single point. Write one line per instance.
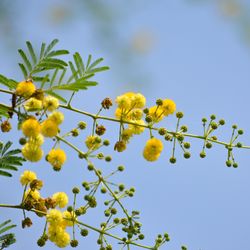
(27, 177)
(25, 88)
(32, 152)
(31, 127)
(93, 142)
(57, 117)
(56, 157)
(50, 103)
(61, 199)
(49, 128)
(33, 104)
(137, 129)
(168, 107)
(152, 149)
(54, 217)
(58, 235)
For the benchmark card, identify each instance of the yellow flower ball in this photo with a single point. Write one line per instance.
(56, 157)
(50, 103)
(34, 195)
(57, 117)
(123, 102)
(31, 127)
(32, 152)
(127, 134)
(25, 88)
(54, 217)
(152, 149)
(136, 129)
(33, 104)
(168, 107)
(136, 114)
(61, 199)
(49, 128)
(138, 101)
(27, 177)
(93, 142)
(156, 113)
(69, 217)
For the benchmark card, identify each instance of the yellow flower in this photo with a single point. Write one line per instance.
(29, 194)
(136, 114)
(32, 152)
(27, 177)
(33, 104)
(127, 134)
(123, 102)
(138, 101)
(31, 127)
(137, 129)
(37, 140)
(49, 128)
(58, 235)
(61, 199)
(56, 157)
(57, 117)
(93, 142)
(69, 217)
(153, 149)
(168, 107)
(122, 114)
(54, 217)
(50, 103)
(25, 88)
(156, 113)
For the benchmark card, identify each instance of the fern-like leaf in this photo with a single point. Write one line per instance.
(9, 159)
(6, 239)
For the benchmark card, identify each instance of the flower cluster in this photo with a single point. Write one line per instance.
(35, 129)
(57, 220)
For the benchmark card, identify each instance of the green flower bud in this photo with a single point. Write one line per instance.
(116, 220)
(103, 190)
(120, 168)
(146, 111)
(187, 155)
(222, 122)
(82, 125)
(186, 145)
(239, 144)
(73, 243)
(240, 132)
(234, 126)
(162, 131)
(75, 190)
(22, 141)
(204, 120)
(148, 119)
(202, 154)
(159, 102)
(214, 125)
(212, 117)
(91, 167)
(108, 158)
(209, 145)
(228, 163)
(106, 142)
(141, 236)
(172, 160)
(84, 232)
(179, 115)
(74, 132)
(184, 128)
(235, 165)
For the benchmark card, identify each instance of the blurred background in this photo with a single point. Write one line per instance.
(196, 52)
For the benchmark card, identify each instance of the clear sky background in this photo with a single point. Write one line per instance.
(194, 52)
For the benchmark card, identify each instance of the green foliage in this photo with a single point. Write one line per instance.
(6, 239)
(9, 159)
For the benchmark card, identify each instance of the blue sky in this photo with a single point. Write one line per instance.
(195, 56)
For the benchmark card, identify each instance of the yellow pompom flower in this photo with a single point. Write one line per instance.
(25, 88)
(31, 194)
(31, 127)
(138, 101)
(33, 104)
(32, 152)
(69, 217)
(27, 177)
(49, 128)
(123, 114)
(127, 134)
(50, 103)
(59, 236)
(56, 157)
(136, 114)
(93, 142)
(168, 107)
(123, 102)
(156, 113)
(61, 199)
(136, 129)
(37, 140)
(57, 117)
(152, 149)
(54, 217)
